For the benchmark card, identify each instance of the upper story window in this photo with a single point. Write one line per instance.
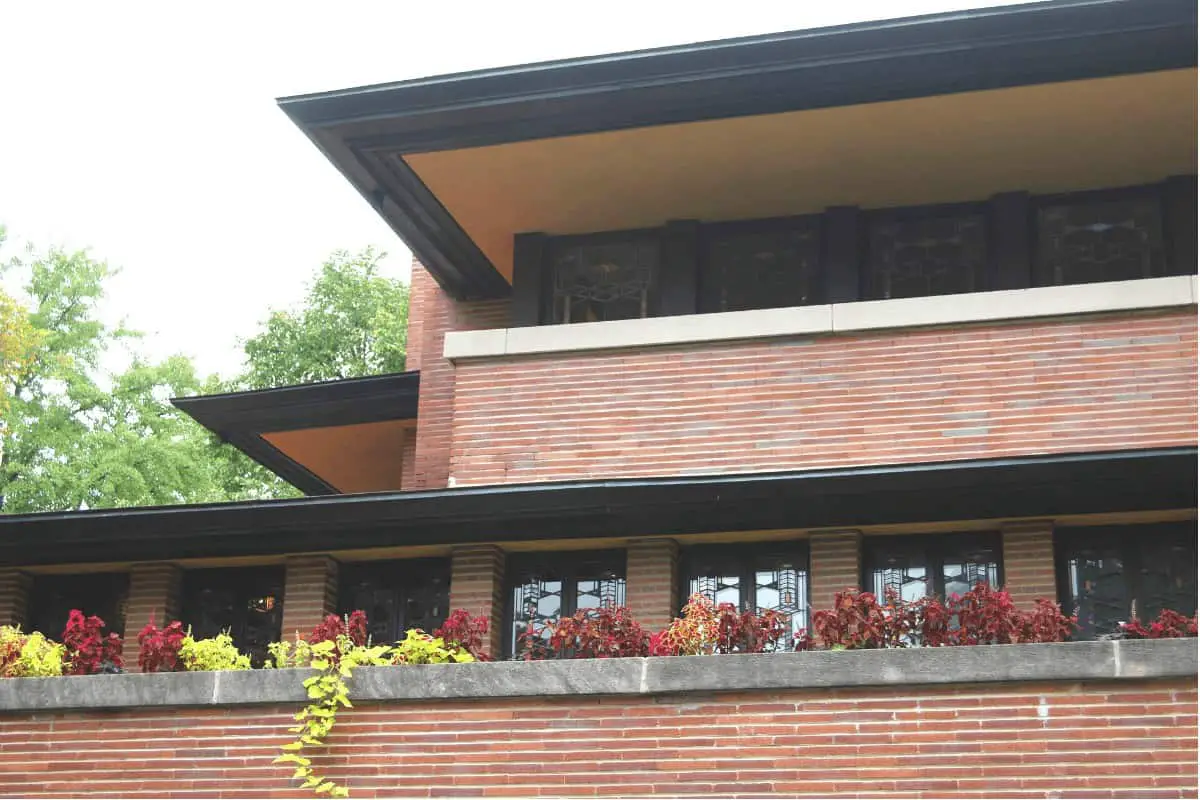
(248, 602)
(397, 595)
(604, 278)
(1116, 575)
(772, 264)
(754, 577)
(917, 566)
(1106, 236)
(547, 587)
(918, 252)
(52, 598)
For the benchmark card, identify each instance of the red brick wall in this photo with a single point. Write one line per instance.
(154, 594)
(431, 314)
(651, 581)
(14, 596)
(1081, 384)
(1029, 562)
(835, 563)
(1133, 739)
(309, 593)
(477, 585)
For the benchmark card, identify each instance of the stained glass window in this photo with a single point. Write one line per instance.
(916, 566)
(918, 255)
(545, 588)
(52, 597)
(397, 595)
(247, 602)
(1111, 239)
(755, 267)
(604, 280)
(1113, 575)
(757, 578)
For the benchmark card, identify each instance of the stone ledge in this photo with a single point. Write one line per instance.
(869, 315)
(1073, 661)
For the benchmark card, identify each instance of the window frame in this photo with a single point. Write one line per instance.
(557, 244)
(567, 567)
(402, 578)
(933, 549)
(113, 587)
(246, 583)
(1129, 542)
(979, 280)
(712, 233)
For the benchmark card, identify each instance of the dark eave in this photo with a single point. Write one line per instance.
(240, 418)
(364, 131)
(1037, 486)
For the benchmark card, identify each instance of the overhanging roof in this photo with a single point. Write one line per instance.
(1036, 486)
(243, 418)
(366, 132)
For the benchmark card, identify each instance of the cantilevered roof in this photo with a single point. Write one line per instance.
(423, 152)
(991, 489)
(324, 438)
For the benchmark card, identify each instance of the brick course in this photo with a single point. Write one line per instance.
(1029, 562)
(835, 563)
(14, 597)
(477, 585)
(309, 593)
(651, 581)
(1032, 740)
(1093, 383)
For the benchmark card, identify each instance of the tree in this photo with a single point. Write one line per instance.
(75, 437)
(353, 323)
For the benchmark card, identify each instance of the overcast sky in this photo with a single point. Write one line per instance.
(151, 135)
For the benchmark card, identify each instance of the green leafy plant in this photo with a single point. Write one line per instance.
(418, 647)
(29, 655)
(328, 690)
(217, 653)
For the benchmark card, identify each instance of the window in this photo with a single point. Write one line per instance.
(248, 602)
(397, 595)
(760, 265)
(916, 566)
(543, 588)
(1114, 575)
(603, 278)
(920, 252)
(101, 594)
(758, 577)
(1104, 236)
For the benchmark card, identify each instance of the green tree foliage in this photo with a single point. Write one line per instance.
(353, 323)
(74, 436)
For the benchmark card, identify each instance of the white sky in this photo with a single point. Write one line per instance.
(151, 135)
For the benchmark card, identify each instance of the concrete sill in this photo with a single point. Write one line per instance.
(1072, 661)
(842, 318)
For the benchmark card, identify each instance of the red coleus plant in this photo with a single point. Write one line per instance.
(609, 632)
(333, 626)
(467, 632)
(708, 627)
(1169, 625)
(89, 649)
(158, 650)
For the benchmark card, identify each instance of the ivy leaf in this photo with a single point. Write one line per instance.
(339, 791)
(326, 787)
(310, 782)
(292, 746)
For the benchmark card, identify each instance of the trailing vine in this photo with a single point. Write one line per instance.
(328, 691)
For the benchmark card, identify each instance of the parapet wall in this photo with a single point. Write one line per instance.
(1096, 719)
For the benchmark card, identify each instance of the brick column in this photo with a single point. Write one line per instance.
(1029, 561)
(309, 593)
(14, 597)
(477, 585)
(154, 592)
(835, 563)
(652, 581)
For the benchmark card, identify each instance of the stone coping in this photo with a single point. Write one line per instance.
(1071, 661)
(914, 312)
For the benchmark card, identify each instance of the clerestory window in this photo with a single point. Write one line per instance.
(604, 278)
(918, 566)
(547, 587)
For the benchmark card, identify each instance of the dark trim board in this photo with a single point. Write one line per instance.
(1061, 40)
(1035, 486)
(240, 418)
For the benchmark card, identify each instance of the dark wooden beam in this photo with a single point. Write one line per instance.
(1179, 224)
(1010, 241)
(529, 279)
(843, 261)
(680, 264)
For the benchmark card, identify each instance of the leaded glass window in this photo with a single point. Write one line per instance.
(748, 267)
(545, 588)
(604, 279)
(52, 597)
(1108, 576)
(758, 577)
(247, 602)
(1112, 239)
(917, 566)
(397, 595)
(917, 255)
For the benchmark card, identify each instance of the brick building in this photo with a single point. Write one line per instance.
(907, 304)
